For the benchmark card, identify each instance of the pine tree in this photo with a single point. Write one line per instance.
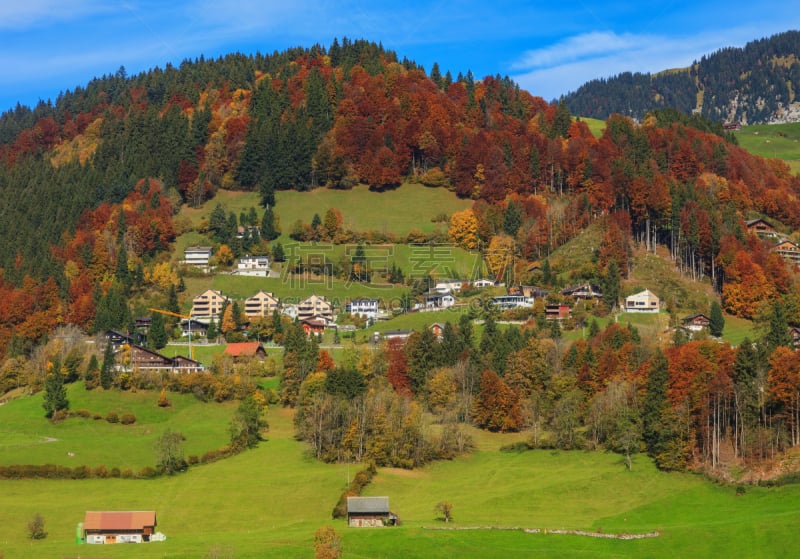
(268, 229)
(512, 218)
(465, 331)
(611, 284)
(212, 333)
(107, 370)
(122, 273)
(172, 300)
(55, 393)
(157, 336)
(654, 402)
(91, 374)
(778, 333)
(277, 253)
(716, 321)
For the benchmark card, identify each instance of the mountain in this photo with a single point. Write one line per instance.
(751, 85)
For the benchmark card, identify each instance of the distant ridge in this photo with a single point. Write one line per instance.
(756, 84)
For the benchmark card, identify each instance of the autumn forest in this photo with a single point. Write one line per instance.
(90, 187)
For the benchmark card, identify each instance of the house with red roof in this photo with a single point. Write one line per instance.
(245, 350)
(119, 526)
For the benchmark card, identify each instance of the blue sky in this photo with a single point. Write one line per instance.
(549, 48)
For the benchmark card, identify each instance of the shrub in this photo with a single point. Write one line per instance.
(193, 460)
(86, 414)
(163, 401)
(81, 472)
(100, 471)
(209, 456)
(115, 472)
(112, 417)
(97, 417)
(36, 529)
(127, 473)
(147, 472)
(127, 419)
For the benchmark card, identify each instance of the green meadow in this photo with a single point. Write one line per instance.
(398, 211)
(780, 141)
(27, 437)
(269, 501)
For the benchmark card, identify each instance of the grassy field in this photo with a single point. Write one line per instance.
(269, 501)
(596, 126)
(410, 206)
(780, 141)
(26, 437)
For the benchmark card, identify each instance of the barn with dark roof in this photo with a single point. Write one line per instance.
(369, 512)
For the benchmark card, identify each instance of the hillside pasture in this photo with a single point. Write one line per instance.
(398, 211)
(781, 141)
(268, 502)
(27, 437)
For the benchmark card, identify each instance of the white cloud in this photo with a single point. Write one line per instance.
(591, 45)
(563, 67)
(27, 14)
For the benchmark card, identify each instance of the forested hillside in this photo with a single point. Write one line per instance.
(90, 188)
(750, 85)
(125, 147)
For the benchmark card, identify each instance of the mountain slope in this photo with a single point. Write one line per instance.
(755, 84)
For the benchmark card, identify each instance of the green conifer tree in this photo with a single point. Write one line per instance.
(157, 335)
(55, 393)
(107, 370)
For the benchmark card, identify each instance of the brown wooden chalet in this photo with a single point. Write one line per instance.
(369, 512)
(696, 322)
(107, 527)
(117, 339)
(142, 358)
(183, 364)
(583, 291)
(761, 227)
(313, 326)
(531, 291)
(787, 250)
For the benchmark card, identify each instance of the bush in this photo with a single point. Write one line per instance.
(112, 417)
(97, 417)
(36, 529)
(193, 460)
(127, 473)
(115, 472)
(147, 472)
(81, 472)
(360, 481)
(127, 419)
(86, 414)
(100, 471)
(209, 456)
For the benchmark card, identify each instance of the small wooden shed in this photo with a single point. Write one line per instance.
(369, 512)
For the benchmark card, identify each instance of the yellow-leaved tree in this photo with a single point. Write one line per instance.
(500, 254)
(464, 229)
(162, 275)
